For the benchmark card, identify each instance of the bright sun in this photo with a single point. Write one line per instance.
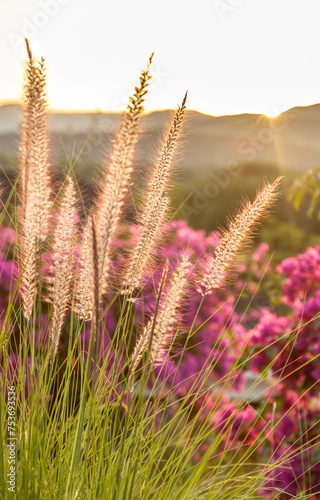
(272, 112)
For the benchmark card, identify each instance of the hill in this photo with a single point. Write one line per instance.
(287, 142)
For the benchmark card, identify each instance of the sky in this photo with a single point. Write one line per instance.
(233, 56)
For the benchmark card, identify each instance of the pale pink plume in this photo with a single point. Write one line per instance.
(62, 262)
(115, 185)
(35, 183)
(240, 230)
(162, 327)
(155, 205)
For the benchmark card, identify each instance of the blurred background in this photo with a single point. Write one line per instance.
(253, 79)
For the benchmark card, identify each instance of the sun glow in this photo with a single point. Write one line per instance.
(273, 113)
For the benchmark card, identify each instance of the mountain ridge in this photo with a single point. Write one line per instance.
(289, 141)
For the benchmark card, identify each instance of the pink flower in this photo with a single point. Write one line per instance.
(260, 252)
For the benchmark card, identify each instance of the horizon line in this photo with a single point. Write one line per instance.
(18, 102)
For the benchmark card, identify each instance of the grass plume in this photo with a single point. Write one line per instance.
(35, 182)
(239, 232)
(62, 262)
(34, 153)
(160, 330)
(115, 184)
(143, 341)
(155, 205)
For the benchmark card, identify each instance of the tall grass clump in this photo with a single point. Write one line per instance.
(137, 361)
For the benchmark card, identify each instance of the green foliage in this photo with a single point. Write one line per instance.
(307, 188)
(286, 238)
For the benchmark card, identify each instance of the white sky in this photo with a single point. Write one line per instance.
(233, 56)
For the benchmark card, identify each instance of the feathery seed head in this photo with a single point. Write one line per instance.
(155, 206)
(114, 187)
(159, 329)
(240, 230)
(35, 181)
(168, 311)
(62, 262)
